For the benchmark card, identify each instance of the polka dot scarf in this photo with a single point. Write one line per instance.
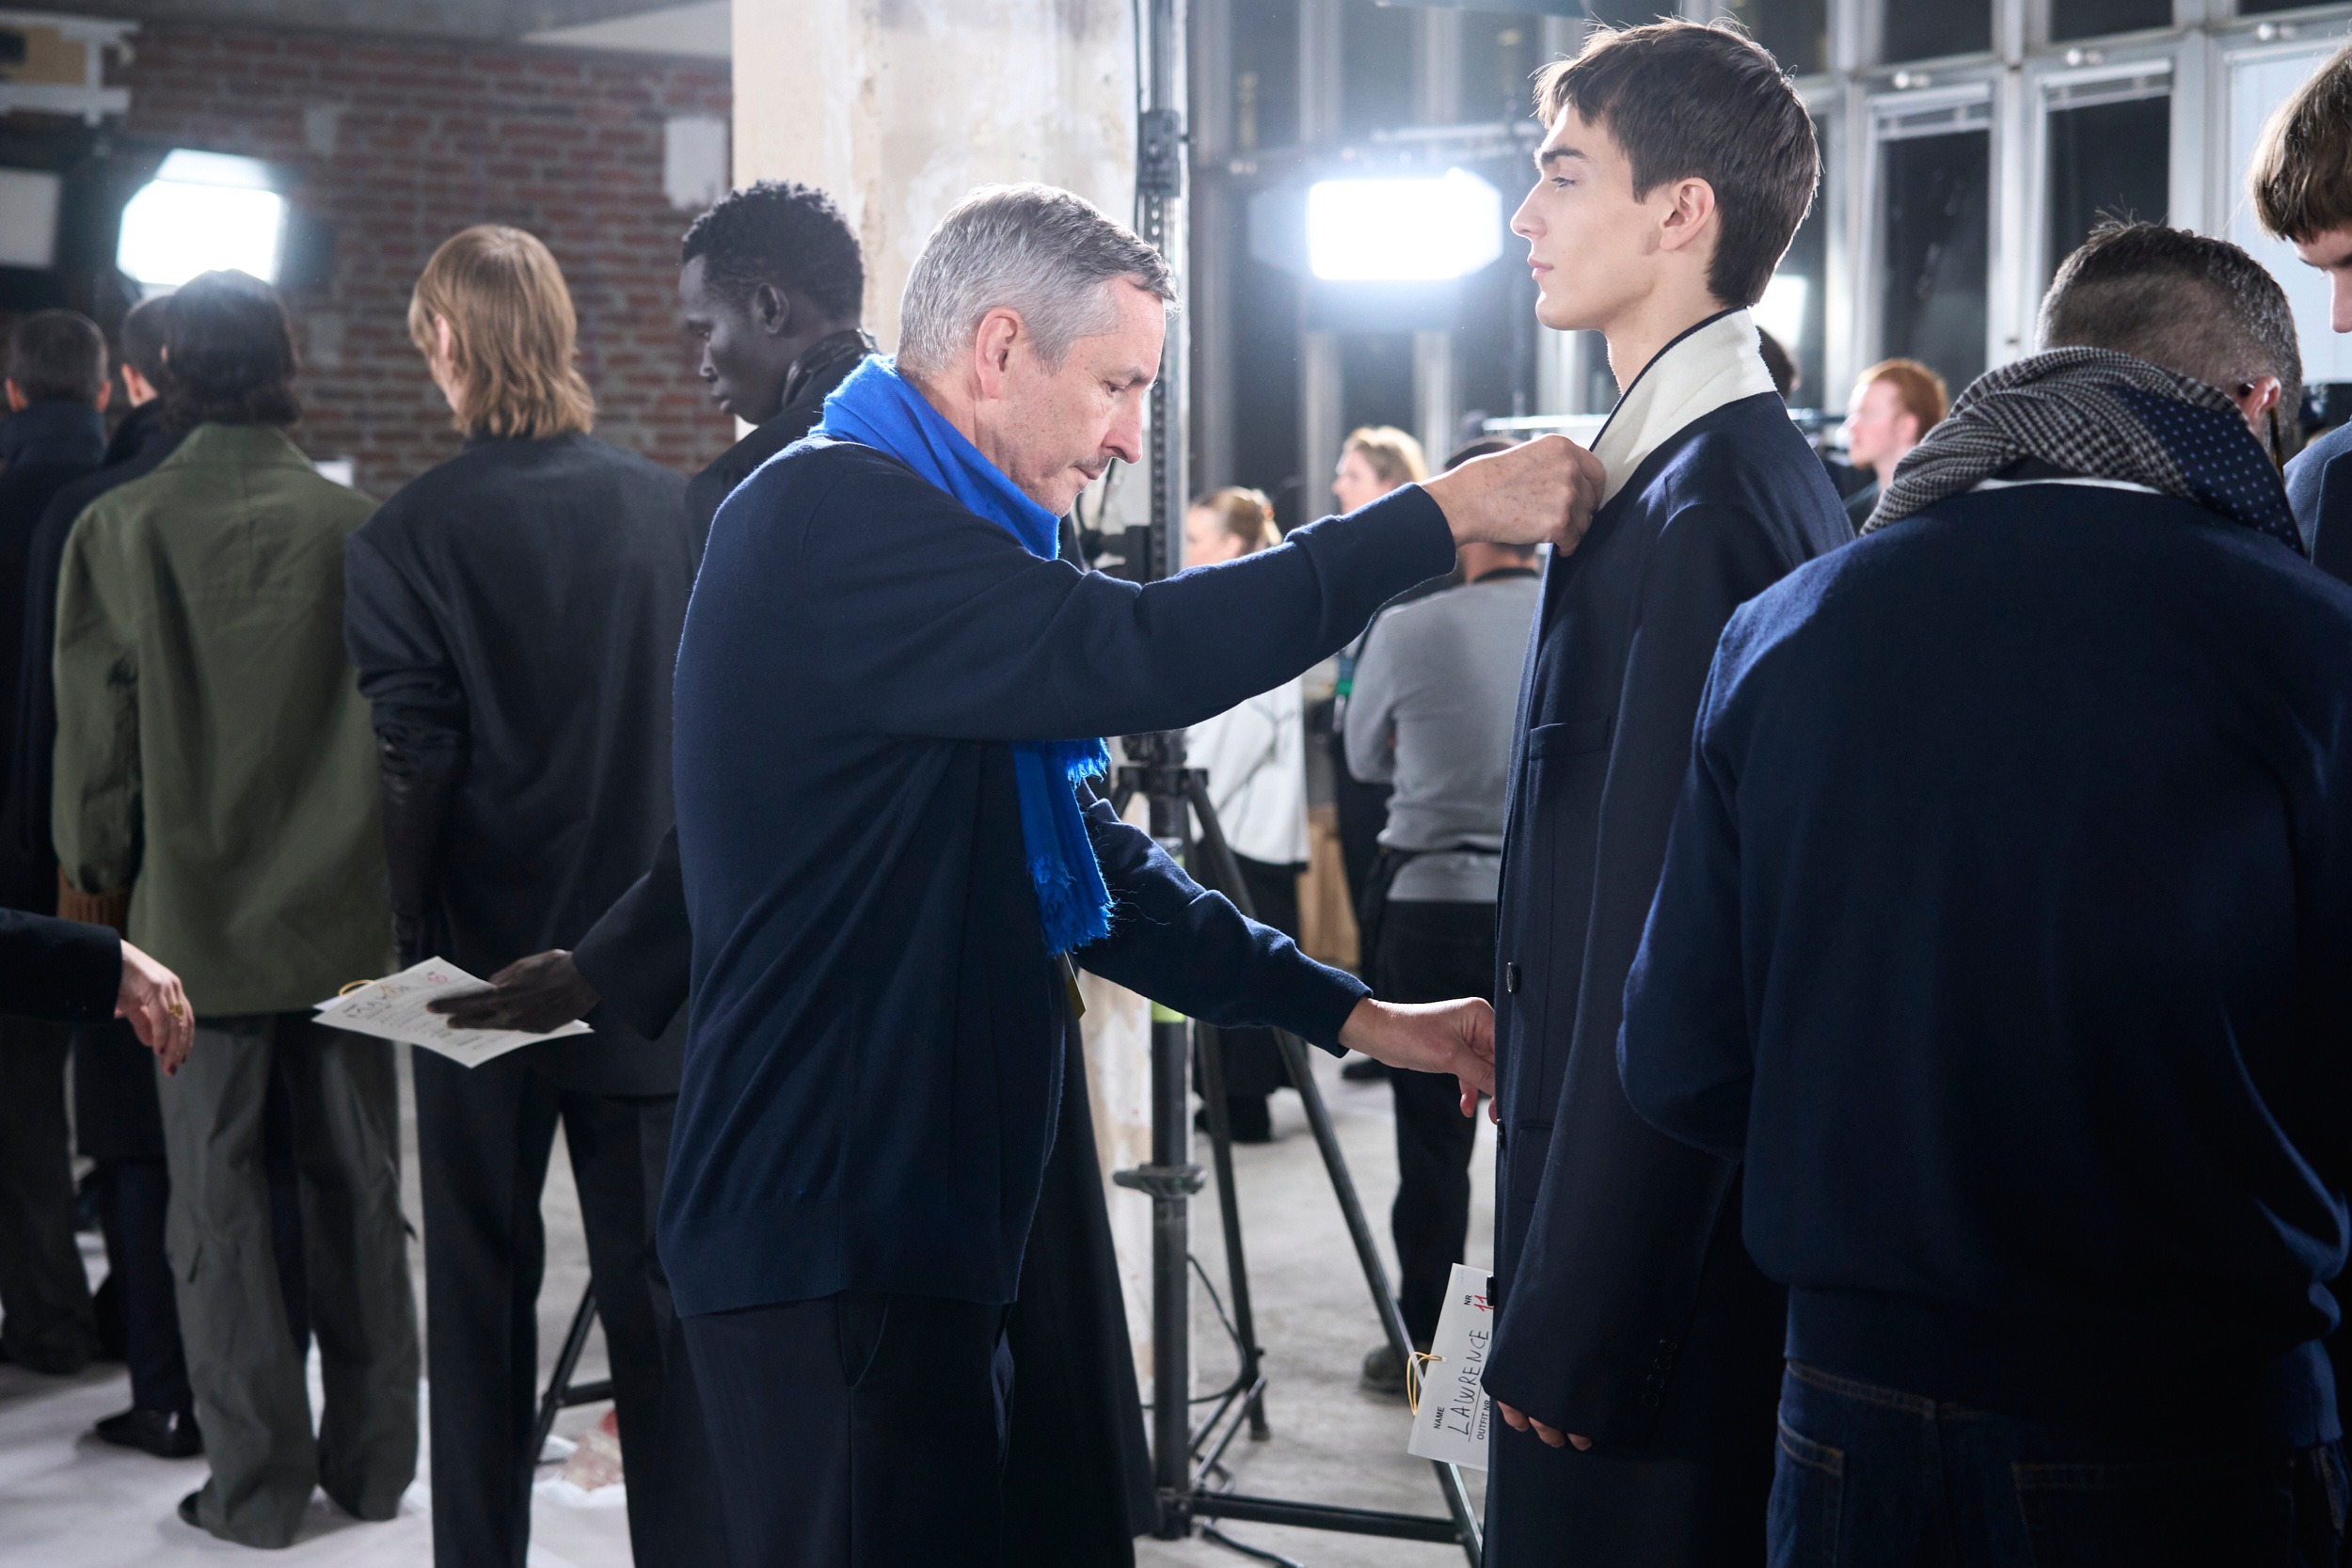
(2102, 414)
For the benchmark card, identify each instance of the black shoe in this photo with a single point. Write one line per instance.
(187, 1510)
(162, 1433)
(1247, 1118)
(1382, 1374)
(1364, 1070)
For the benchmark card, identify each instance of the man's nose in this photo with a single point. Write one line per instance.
(1125, 435)
(1523, 222)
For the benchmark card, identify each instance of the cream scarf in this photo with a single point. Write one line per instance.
(1713, 364)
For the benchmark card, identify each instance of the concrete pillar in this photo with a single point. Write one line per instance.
(1437, 101)
(1319, 429)
(899, 108)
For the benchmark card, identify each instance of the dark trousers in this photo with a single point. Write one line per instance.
(1431, 952)
(1253, 1063)
(50, 1325)
(134, 1196)
(1871, 1475)
(863, 1430)
(484, 1138)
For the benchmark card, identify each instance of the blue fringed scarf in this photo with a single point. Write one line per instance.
(878, 407)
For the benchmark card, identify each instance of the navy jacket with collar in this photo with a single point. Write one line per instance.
(2007, 933)
(873, 1064)
(1628, 1311)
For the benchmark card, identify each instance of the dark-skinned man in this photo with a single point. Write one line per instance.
(770, 283)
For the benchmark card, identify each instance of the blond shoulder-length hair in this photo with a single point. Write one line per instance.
(512, 334)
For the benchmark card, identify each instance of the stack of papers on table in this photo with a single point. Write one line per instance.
(393, 1008)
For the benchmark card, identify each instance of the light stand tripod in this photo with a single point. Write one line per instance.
(1183, 1459)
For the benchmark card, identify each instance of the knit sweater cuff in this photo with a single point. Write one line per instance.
(95, 909)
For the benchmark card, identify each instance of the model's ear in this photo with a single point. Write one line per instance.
(771, 308)
(992, 350)
(1690, 218)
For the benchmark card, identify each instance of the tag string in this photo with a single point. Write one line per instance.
(1413, 1377)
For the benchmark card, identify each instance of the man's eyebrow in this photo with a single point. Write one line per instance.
(1546, 157)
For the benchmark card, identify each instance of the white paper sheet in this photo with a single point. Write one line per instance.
(1449, 1422)
(393, 1008)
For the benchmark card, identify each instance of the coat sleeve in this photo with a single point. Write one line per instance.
(421, 738)
(1592, 1317)
(1685, 1053)
(640, 953)
(1187, 948)
(58, 969)
(934, 622)
(96, 805)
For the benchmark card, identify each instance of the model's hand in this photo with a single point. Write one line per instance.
(1429, 1036)
(1553, 1435)
(1540, 491)
(157, 1008)
(537, 995)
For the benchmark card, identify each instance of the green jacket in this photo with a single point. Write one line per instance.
(213, 756)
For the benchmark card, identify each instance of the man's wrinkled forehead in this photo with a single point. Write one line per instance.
(1128, 355)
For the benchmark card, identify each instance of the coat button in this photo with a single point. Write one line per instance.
(1511, 978)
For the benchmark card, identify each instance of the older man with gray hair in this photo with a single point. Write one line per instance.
(889, 698)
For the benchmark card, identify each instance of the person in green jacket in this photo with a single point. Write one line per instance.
(217, 799)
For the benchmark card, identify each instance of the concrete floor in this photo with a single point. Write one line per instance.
(69, 1499)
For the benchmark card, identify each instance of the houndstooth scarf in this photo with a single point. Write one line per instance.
(2102, 414)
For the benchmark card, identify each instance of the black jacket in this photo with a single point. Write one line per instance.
(140, 442)
(34, 474)
(60, 969)
(640, 955)
(2006, 933)
(875, 1065)
(1629, 1311)
(514, 614)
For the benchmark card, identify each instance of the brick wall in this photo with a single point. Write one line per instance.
(400, 144)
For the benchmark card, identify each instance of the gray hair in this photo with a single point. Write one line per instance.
(1043, 253)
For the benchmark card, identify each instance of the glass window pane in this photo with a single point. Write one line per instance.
(2257, 7)
(1795, 305)
(1921, 30)
(2088, 19)
(1934, 243)
(1377, 47)
(2106, 161)
(1499, 55)
(1265, 75)
(1796, 31)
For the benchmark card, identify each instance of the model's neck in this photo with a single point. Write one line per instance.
(1647, 326)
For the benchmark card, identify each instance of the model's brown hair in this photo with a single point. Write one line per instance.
(2301, 177)
(512, 334)
(1687, 100)
(1245, 514)
(1919, 389)
(1395, 455)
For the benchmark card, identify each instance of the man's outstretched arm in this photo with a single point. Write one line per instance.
(1190, 949)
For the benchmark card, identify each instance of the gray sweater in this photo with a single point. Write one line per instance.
(1436, 692)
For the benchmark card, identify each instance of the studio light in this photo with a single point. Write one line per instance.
(1781, 311)
(1418, 230)
(202, 210)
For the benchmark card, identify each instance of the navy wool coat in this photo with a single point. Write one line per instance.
(1629, 1311)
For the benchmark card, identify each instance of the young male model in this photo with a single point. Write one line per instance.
(1637, 1354)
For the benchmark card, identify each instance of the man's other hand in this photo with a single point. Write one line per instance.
(156, 1008)
(1540, 491)
(537, 995)
(1429, 1036)
(1553, 1435)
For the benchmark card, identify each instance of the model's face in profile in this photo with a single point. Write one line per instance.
(1053, 429)
(2331, 253)
(1207, 540)
(1356, 483)
(735, 361)
(1878, 429)
(1589, 243)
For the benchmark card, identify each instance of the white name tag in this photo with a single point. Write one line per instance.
(1451, 1416)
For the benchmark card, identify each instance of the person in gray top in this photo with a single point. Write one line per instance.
(1435, 696)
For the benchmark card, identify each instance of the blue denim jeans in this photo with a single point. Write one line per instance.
(1873, 1477)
